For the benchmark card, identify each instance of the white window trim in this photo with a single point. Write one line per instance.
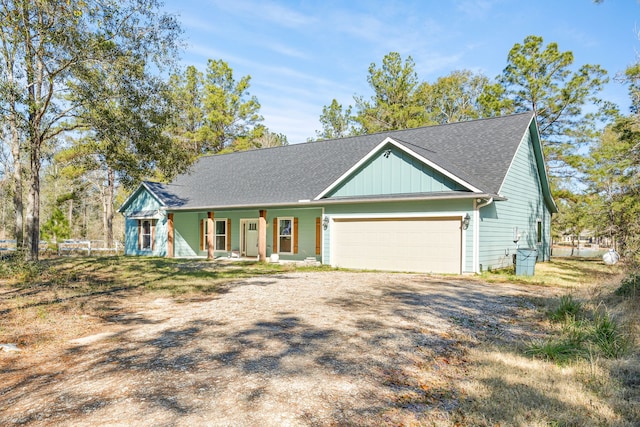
(143, 234)
(216, 235)
(285, 218)
(539, 232)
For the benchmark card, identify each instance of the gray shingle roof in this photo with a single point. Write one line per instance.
(478, 152)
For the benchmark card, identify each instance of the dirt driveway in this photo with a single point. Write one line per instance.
(321, 348)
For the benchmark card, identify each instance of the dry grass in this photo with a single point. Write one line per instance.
(488, 384)
(60, 298)
(569, 273)
(505, 387)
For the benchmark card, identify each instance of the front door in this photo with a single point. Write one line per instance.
(250, 237)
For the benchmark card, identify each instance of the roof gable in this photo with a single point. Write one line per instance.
(143, 199)
(393, 168)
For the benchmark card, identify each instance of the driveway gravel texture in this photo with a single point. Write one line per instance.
(295, 349)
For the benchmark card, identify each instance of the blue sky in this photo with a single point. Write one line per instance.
(302, 54)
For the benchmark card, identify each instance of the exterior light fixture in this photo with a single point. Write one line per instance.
(465, 221)
(325, 222)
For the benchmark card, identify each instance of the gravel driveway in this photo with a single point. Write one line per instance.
(321, 348)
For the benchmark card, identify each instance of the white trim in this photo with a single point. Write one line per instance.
(215, 234)
(143, 234)
(286, 218)
(463, 248)
(322, 233)
(477, 205)
(151, 214)
(317, 204)
(389, 140)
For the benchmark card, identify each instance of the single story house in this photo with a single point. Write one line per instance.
(454, 198)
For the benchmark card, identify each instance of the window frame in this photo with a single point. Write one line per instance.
(290, 235)
(142, 234)
(539, 230)
(216, 235)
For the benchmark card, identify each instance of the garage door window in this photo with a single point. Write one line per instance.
(285, 235)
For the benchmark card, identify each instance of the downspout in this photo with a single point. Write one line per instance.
(477, 205)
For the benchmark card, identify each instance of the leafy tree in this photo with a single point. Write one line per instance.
(229, 112)
(44, 46)
(187, 115)
(396, 103)
(123, 114)
(613, 171)
(336, 122)
(402, 101)
(258, 137)
(455, 97)
(57, 227)
(576, 213)
(539, 78)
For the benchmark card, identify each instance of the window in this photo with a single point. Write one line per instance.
(204, 233)
(285, 235)
(539, 232)
(145, 234)
(220, 238)
(221, 235)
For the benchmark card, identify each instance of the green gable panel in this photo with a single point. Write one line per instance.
(393, 171)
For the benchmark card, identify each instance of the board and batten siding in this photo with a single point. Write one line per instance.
(187, 231)
(144, 201)
(523, 208)
(393, 171)
(404, 209)
(306, 231)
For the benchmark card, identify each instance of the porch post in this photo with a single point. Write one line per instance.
(262, 236)
(210, 234)
(170, 253)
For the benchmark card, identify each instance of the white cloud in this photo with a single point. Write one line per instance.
(269, 11)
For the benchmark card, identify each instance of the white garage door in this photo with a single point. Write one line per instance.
(407, 244)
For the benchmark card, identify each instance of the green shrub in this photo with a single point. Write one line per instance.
(559, 352)
(609, 337)
(567, 310)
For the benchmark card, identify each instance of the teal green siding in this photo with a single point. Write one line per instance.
(395, 173)
(143, 201)
(444, 208)
(306, 231)
(187, 231)
(186, 234)
(523, 208)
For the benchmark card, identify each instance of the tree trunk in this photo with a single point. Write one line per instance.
(106, 194)
(71, 216)
(34, 79)
(18, 207)
(32, 240)
(107, 204)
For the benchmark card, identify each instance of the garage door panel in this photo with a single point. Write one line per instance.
(414, 244)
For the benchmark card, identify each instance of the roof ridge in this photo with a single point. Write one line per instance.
(386, 132)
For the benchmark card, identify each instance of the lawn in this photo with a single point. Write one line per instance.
(47, 303)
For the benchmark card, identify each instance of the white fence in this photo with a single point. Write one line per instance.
(88, 246)
(10, 245)
(70, 246)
